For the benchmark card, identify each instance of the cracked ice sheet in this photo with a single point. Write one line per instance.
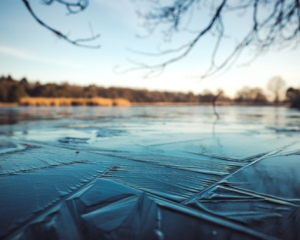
(108, 210)
(28, 193)
(153, 154)
(276, 176)
(172, 184)
(43, 175)
(270, 215)
(35, 157)
(235, 146)
(171, 177)
(223, 145)
(37, 178)
(228, 146)
(265, 196)
(59, 172)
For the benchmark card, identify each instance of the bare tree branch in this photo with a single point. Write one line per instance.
(72, 7)
(169, 14)
(80, 6)
(275, 23)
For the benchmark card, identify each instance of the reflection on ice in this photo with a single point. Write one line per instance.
(149, 173)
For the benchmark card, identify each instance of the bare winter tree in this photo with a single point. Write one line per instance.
(73, 7)
(276, 85)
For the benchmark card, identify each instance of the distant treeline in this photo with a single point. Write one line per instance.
(12, 90)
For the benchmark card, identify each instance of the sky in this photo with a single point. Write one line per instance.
(29, 50)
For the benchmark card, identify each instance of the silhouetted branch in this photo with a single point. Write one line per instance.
(274, 23)
(80, 6)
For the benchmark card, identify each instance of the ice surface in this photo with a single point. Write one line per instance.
(149, 173)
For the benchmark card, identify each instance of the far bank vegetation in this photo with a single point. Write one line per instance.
(97, 101)
(27, 93)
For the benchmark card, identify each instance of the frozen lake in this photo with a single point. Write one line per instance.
(149, 173)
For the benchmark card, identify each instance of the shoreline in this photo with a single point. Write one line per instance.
(146, 104)
(141, 104)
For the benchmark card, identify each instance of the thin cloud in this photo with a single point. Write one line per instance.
(28, 56)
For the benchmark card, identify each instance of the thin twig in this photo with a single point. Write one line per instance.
(76, 42)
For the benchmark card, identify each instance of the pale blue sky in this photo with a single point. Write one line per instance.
(29, 50)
